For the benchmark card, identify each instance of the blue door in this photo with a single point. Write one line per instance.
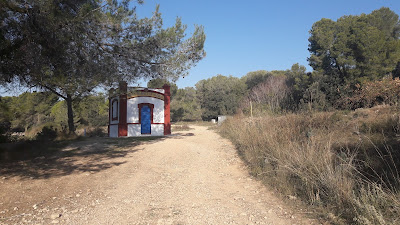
(145, 119)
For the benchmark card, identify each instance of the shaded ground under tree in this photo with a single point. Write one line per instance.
(37, 160)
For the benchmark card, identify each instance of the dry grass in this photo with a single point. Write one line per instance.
(183, 127)
(345, 163)
(196, 123)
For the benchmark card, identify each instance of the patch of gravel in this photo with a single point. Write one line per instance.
(182, 179)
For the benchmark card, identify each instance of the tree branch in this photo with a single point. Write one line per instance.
(94, 10)
(121, 54)
(52, 90)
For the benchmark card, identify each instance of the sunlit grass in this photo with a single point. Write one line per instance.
(345, 163)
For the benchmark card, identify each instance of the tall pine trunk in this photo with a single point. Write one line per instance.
(71, 127)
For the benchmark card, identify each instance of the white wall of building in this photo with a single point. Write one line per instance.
(113, 130)
(135, 130)
(157, 129)
(133, 110)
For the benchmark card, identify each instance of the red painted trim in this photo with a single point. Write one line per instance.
(122, 130)
(109, 116)
(167, 115)
(122, 126)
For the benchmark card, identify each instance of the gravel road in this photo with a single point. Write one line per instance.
(191, 177)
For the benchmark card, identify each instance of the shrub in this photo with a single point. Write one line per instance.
(269, 96)
(373, 93)
(4, 131)
(47, 133)
(313, 99)
(96, 132)
(183, 127)
(324, 159)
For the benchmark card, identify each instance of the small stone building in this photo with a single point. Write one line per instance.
(138, 111)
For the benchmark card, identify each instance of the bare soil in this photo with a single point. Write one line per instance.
(190, 177)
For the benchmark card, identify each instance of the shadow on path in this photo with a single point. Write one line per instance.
(41, 160)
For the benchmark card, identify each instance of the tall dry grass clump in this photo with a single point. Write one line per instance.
(346, 163)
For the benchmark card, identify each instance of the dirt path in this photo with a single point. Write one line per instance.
(192, 177)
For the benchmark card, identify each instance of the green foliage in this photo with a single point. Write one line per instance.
(48, 133)
(219, 95)
(5, 118)
(185, 106)
(31, 109)
(281, 91)
(299, 80)
(271, 96)
(59, 115)
(355, 48)
(314, 98)
(159, 83)
(252, 79)
(92, 110)
(72, 48)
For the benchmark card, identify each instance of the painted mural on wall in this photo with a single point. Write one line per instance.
(138, 111)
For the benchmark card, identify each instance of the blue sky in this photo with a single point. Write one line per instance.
(244, 36)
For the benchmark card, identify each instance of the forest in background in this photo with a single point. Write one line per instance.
(355, 61)
(29, 113)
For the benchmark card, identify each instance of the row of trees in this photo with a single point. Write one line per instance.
(354, 50)
(226, 95)
(259, 91)
(30, 112)
(354, 59)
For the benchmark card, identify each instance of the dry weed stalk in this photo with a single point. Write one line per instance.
(320, 158)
